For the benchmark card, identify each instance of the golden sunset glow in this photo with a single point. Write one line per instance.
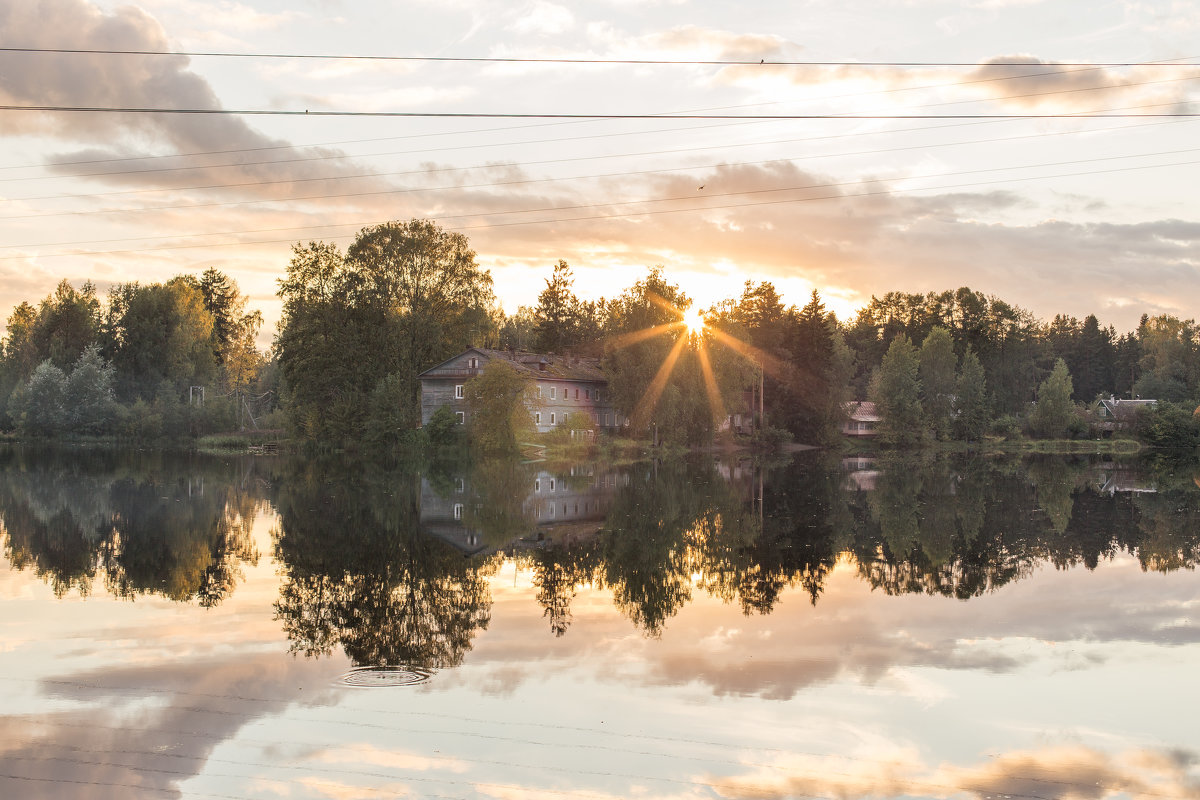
(694, 321)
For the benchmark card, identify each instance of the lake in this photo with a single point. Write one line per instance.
(187, 626)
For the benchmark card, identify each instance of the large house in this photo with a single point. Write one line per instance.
(564, 385)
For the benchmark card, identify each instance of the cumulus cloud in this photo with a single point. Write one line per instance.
(135, 82)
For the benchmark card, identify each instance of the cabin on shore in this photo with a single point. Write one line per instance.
(862, 419)
(564, 385)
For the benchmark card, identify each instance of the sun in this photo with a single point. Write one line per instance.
(693, 320)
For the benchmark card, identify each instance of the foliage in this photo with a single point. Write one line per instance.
(1172, 425)
(443, 429)
(937, 367)
(159, 334)
(657, 370)
(500, 400)
(971, 401)
(405, 296)
(1054, 413)
(897, 394)
(561, 320)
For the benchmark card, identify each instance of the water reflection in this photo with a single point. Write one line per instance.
(148, 523)
(391, 563)
(358, 572)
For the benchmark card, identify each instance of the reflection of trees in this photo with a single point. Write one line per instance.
(964, 527)
(676, 527)
(155, 523)
(358, 572)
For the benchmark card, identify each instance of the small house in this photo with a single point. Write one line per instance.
(862, 419)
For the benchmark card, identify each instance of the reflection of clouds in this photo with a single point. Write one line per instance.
(1063, 772)
(852, 633)
(120, 739)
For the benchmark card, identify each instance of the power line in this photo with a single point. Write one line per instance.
(558, 160)
(1172, 62)
(626, 173)
(653, 212)
(924, 87)
(592, 136)
(266, 112)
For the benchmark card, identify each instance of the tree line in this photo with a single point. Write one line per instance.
(359, 326)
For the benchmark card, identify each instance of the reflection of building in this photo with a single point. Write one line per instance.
(564, 385)
(861, 474)
(862, 419)
(1114, 479)
(556, 508)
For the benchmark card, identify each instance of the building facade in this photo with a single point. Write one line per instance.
(564, 385)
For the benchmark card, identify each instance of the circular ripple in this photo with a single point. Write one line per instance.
(373, 677)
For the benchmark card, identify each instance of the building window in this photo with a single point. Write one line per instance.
(537, 484)
(552, 484)
(537, 418)
(576, 394)
(553, 392)
(608, 420)
(462, 417)
(587, 394)
(597, 395)
(551, 417)
(539, 388)
(458, 509)
(458, 392)
(473, 363)
(460, 486)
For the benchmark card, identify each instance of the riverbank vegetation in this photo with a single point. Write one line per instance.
(179, 360)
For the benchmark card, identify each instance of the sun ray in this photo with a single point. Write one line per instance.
(710, 384)
(629, 339)
(770, 364)
(649, 401)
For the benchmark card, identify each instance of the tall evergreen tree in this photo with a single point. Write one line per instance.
(971, 404)
(1054, 412)
(897, 394)
(937, 370)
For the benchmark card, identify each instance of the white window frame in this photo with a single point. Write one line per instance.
(537, 485)
(462, 417)
(473, 363)
(551, 417)
(537, 418)
(553, 392)
(460, 486)
(458, 391)
(552, 484)
(458, 510)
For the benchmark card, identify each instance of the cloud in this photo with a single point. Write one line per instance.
(1056, 773)
(690, 42)
(543, 19)
(134, 82)
(113, 740)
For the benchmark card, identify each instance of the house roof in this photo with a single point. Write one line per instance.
(862, 411)
(1124, 409)
(535, 365)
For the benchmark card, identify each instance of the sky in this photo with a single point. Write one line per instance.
(1065, 213)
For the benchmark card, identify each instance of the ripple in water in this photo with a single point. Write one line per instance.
(373, 677)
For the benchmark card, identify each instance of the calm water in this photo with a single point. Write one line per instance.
(281, 628)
